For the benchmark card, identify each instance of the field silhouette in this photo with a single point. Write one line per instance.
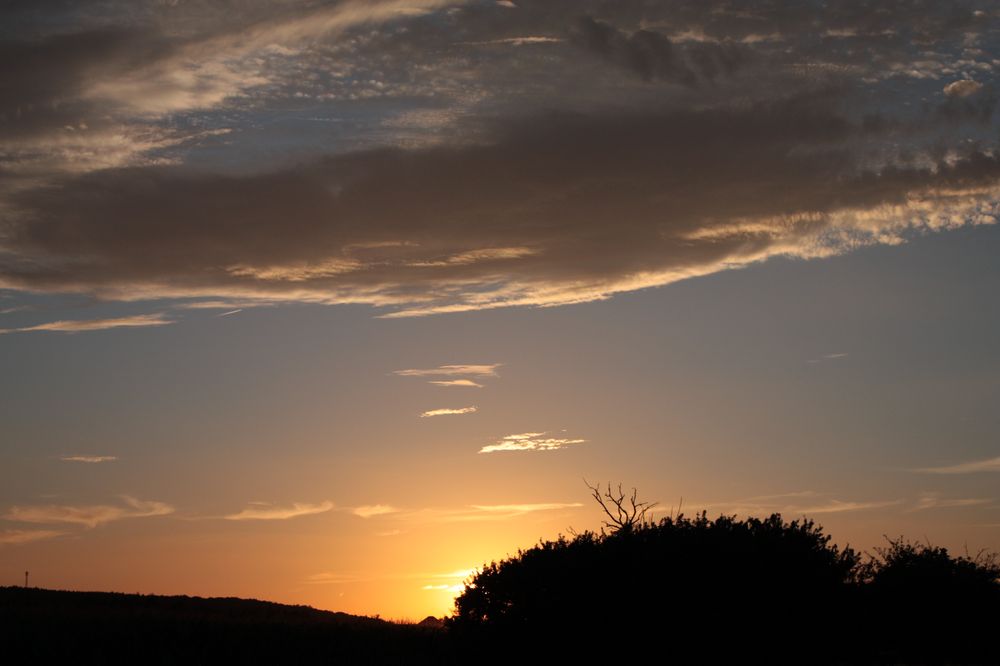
(678, 591)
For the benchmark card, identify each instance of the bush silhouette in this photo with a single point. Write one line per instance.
(922, 603)
(702, 579)
(729, 590)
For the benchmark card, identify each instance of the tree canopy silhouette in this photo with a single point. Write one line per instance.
(723, 589)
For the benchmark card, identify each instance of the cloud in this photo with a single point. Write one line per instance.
(334, 578)
(838, 506)
(88, 459)
(519, 509)
(935, 501)
(371, 510)
(827, 357)
(963, 88)
(269, 512)
(88, 515)
(76, 326)
(796, 191)
(17, 537)
(988, 465)
(449, 370)
(516, 41)
(471, 513)
(793, 504)
(529, 441)
(521, 175)
(456, 587)
(456, 382)
(448, 411)
(652, 56)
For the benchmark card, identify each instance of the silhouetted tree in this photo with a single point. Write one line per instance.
(692, 577)
(623, 516)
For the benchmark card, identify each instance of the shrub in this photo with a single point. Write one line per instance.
(728, 586)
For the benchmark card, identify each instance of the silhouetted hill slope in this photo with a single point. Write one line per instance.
(50, 626)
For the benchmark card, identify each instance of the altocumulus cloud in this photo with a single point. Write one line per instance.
(530, 441)
(573, 149)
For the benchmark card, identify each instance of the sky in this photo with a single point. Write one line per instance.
(333, 302)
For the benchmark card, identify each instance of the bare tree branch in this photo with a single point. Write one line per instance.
(625, 517)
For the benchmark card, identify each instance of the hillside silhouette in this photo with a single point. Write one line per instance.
(50, 626)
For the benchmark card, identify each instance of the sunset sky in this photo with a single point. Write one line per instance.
(331, 302)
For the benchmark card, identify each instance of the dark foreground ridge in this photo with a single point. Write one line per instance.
(53, 626)
(679, 591)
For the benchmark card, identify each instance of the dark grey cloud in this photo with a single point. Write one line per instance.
(653, 57)
(561, 209)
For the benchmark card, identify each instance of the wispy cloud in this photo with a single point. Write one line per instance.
(530, 441)
(449, 411)
(371, 510)
(452, 578)
(456, 382)
(88, 459)
(334, 578)
(988, 465)
(221, 305)
(935, 501)
(270, 512)
(454, 587)
(489, 370)
(511, 510)
(801, 503)
(79, 325)
(828, 357)
(16, 537)
(88, 515)
(838, 506)
(470, 513)
(515, 41)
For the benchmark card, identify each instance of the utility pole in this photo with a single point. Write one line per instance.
(26, 579)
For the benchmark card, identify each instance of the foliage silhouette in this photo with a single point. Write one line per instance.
(697, 577)
(920, 602)
(728, 590)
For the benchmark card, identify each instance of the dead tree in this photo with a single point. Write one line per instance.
(625, 512)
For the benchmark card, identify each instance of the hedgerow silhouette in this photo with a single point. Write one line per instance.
(725, 589)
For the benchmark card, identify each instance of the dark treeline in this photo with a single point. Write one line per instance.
(679, 591)
(696, 590)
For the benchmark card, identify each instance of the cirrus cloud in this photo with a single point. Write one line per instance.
(88, 515)
(265, 511)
